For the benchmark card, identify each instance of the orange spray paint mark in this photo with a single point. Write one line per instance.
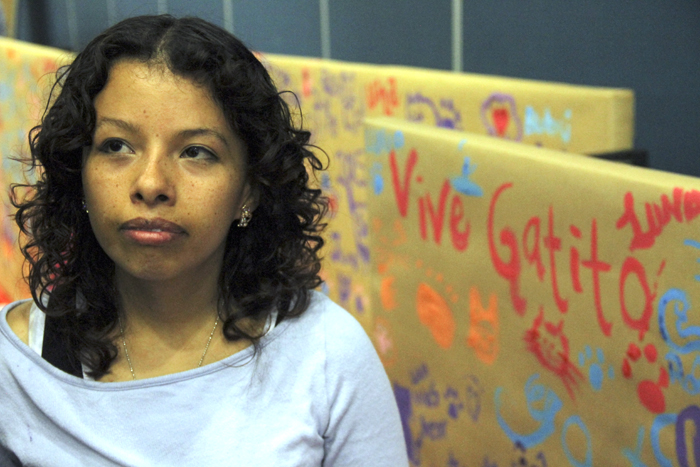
(388, 293)
(307, 84)
(400, 232)
(483, 327)
(435, 314)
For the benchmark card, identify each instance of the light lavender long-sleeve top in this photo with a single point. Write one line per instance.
(316, 395)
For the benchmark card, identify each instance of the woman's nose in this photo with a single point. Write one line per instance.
(153, 183)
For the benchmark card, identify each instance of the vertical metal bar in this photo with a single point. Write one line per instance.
(325, 29)
(72, 13)
(228, 15)
(162, 7)
(457, 34)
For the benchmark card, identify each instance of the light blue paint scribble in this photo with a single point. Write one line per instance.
(377, 179)
(399, 139)
(378, 184)
(633, 456)
(379, 142)
(374, 141)
(596, 372)
(677, 374)
(536, 394)
(463, 184)
(680, 309)
(660, 422)
(576, 420)
(547, 124)
(325, 181)
(5, 91)
(694, 244)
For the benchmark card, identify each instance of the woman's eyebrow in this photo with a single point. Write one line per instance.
(124, 125)
(184, 134)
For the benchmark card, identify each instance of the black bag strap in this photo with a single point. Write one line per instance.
(56, 350)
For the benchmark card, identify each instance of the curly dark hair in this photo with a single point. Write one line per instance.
(270, 265)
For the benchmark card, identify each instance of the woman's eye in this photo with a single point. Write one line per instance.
(114, 146)
(198, 152)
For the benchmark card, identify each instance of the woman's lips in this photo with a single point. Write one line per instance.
(152, 232)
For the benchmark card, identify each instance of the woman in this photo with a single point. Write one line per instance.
(173, 244)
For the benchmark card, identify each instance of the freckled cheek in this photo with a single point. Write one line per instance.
(103, 195)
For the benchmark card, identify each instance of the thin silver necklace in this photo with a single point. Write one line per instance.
(126, 349)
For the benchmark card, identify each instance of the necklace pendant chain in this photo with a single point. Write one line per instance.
(206, 348)
(126, 349)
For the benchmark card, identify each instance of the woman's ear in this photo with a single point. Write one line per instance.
(248, 205)
(251, 196)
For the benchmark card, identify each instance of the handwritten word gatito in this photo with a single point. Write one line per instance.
(427, 210)
(531, 243)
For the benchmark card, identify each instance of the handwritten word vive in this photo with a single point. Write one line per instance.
(534, 243)
(428, 211)
(684, 208)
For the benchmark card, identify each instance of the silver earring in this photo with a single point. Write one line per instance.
(246, 216)
(84, 206)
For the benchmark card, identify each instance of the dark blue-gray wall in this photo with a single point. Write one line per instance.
(650, 46)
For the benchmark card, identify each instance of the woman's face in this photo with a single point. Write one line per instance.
(165, 176)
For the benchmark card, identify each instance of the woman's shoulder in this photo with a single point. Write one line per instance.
(18, 319)
(341, 331)
(332, 316)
